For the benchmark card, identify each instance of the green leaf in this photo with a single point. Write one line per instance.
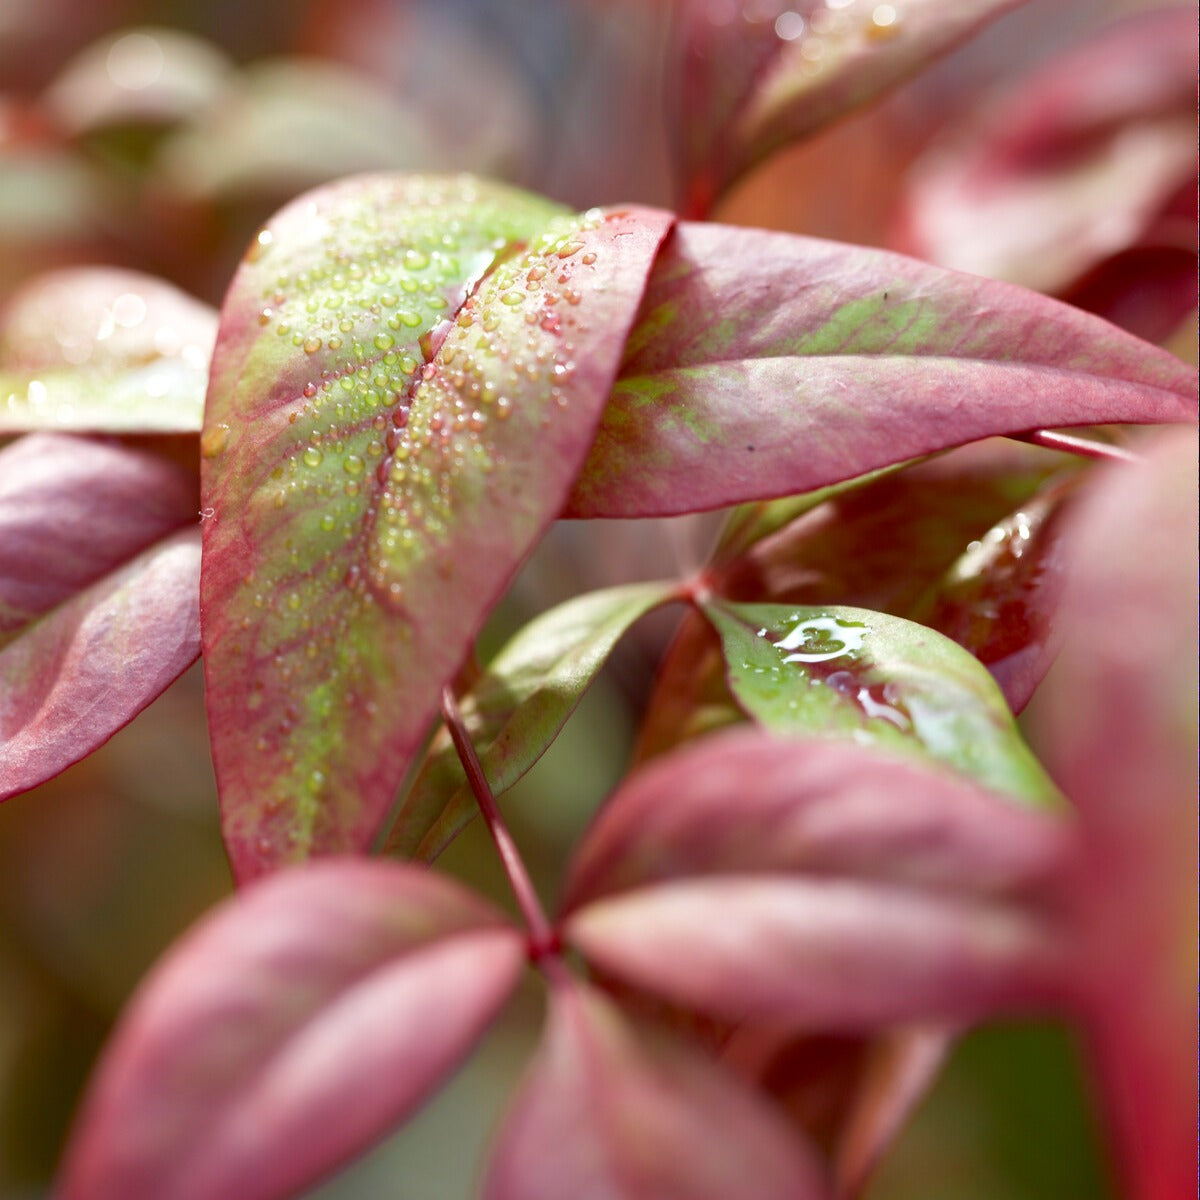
(518, 707)
(408, 373)
(853, 673)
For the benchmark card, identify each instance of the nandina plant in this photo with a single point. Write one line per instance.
(833, 825)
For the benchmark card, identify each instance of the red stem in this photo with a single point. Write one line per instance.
(1070, 444)
(543, 941)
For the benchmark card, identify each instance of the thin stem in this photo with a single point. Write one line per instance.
(1070, 444)
(543, 942)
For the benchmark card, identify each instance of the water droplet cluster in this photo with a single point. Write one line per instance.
(399, 325)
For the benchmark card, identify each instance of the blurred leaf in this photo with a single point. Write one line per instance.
(1087, 158)
(97, 348)
(766, 364)
(755, 76)
(603, 1113)
(517, 708)
(1120, 717)
(408, 374)
(746, 802)
(852, 673)
(289, 1030)
(99, 599)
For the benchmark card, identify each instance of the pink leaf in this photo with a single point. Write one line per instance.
(748, 802)
(408, 374)
(753, 77)
(1120, 714)
(829, 361)
(291, 1028)
(99, 597)
(821, 954)
(101, 349)
(604, 1114)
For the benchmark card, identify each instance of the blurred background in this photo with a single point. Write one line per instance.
(159, 136)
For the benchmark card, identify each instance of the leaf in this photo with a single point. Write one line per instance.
(746, 802)
(765, 364)
(821, 954)
(752, 78)
(408, 374)
(517, 708)
(604, 1113)
(99, 599)
(851, 673)
(1119, 716)
(1081, 161)
(295, 1025)
(102, 349)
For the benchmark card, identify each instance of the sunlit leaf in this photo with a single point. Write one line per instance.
(753, 77)
(1119, 710)
(1089, 158)
(857, 674)
(101, 349)
(765, 364)
(606, 1113)
(747, 802)
(408, 374)
(99, 596)
(517, 708)
(292, 1028)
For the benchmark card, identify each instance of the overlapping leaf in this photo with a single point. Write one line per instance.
(765, 364)
(99, 596)
(753, 77)
(295, 1026)
(852, 673)
(517, 708)
(604, 1114)
(408, 374)
(101, 349)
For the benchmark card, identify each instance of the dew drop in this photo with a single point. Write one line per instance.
(214, 440)
(353, 465)
(313, 456)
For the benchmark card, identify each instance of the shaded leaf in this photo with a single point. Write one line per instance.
(747, 802)
(408, 374)
(1080, 162)
(765, 364)
(517, 708)
(1119, 710)
(604, 1113)
(295, 1025)
(821, 954)
(102, 349)
(852, 673)
(754, 77)
(99, 597)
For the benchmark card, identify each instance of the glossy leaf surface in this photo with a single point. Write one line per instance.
(101, 349)
(603, 1113)
(288, 1031)
(99, 596)
(1119, 709)
(517, 708)
(820, 954)
(852, 673)
(753, 77)
(747, 802)
(828, 361)
(408, 374)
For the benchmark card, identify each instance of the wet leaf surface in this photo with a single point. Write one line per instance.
(408, 375)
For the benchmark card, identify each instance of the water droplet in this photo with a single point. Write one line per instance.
(353, 465)
(313, 456)
(819, 639)
(214, 440)
(312, 345)
(384, 341)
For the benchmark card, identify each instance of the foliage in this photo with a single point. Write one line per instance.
(834, 826)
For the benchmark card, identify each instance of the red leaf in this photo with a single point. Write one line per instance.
(294, 1026)
(369, 510)
(604, 1114)
(859, 357)
(747, 802)
(99, 597)
(1120, 713)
